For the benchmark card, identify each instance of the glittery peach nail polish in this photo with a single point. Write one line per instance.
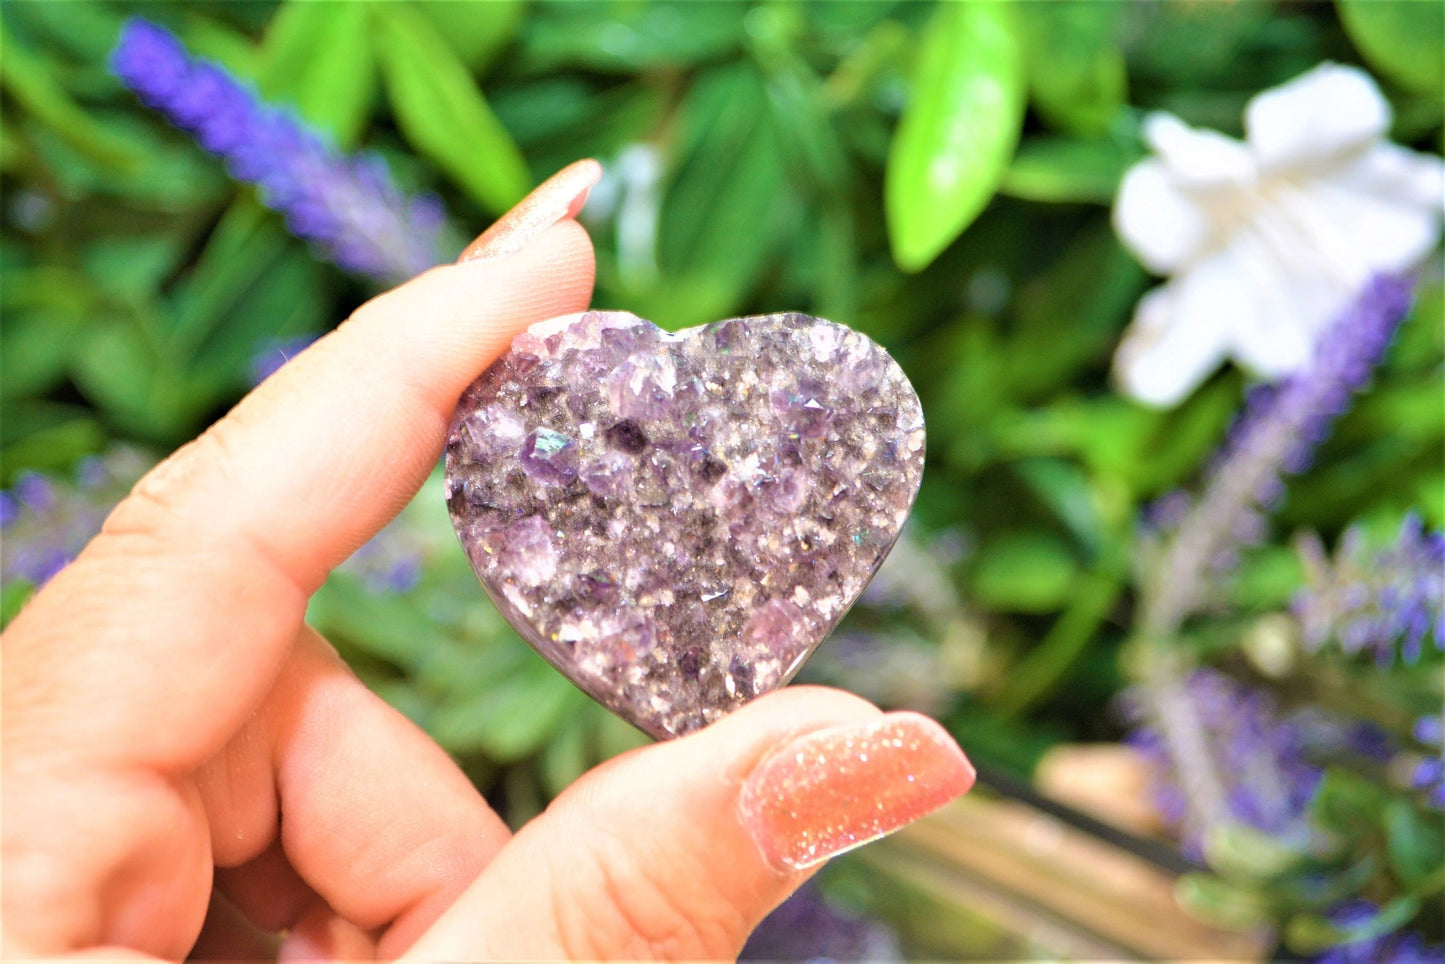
(837, 789)
(560, 196)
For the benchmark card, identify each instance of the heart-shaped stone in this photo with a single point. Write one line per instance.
(675, 521)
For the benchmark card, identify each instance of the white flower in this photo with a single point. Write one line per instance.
(1269, 238)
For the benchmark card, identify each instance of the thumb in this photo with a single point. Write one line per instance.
(678, 850)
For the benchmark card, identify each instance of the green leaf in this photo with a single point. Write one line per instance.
(1239, 851)
(958, 131)
(1076, 69)
(442, 112)
(116, 370)
(84, 31)
(564, 758)
(476, 31)
(722, 215)
(1027, 571)
(287, 300)
(1063, 170)
(35, 351)
(512, 717)
(1347, 803)
(13, 597)
(1401, 39)
(382, 625)
(318, 56)
(1222, 903)
(131, 267)
(631, 37)
(1087, 292)
(45, 436)
(244, 245)
(1267, 578)
(1414, 841)
(31, 81)
(1310, 933)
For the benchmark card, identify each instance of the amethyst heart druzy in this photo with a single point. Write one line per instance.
(676, 521)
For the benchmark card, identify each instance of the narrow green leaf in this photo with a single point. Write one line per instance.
(630, 37)
(1076, 69)
(1311, 934)
(720, 218)
(116, 370)
(318, 56)
(1238, 851)
(1065, 170)
(511, 718)
(241, 248)
(46, 436)
(1401, 39)
(287, 300)
(958, 131)
(35, 351)
(442, 112)
(28, 79)
(1026, 571)
(1416, 843)
(564, 758)
(13, 597)
(476, 31)
(1221, 902)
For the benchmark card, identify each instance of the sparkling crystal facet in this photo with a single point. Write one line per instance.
(676, 521)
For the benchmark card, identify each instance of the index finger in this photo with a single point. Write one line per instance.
(173, 622)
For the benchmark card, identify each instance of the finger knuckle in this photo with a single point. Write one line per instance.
(168, 492)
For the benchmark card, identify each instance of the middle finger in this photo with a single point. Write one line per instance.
(370, 812)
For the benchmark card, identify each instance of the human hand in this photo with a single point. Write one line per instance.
(180, 748)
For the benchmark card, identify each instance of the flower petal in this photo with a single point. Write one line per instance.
(1161, 224)
(1328, 111)
(1289, 308)
(1165, 355)
(1378, 231)
(1387, 170)
(1199, 159)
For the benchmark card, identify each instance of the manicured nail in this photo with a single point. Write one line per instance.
(831, 791)
(559, 197)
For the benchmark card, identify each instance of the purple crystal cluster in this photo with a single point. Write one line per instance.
(675, 521)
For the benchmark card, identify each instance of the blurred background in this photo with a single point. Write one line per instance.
(1193, 644)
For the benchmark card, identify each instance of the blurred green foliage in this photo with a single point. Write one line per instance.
(935, 175)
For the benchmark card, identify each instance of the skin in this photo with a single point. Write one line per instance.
(180, 749)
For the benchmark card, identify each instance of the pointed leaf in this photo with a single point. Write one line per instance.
(442, 112)
(958, 131)
(1401, 39)
(318, 56)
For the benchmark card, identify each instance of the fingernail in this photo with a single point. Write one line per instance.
(831, 791)
(559, 197)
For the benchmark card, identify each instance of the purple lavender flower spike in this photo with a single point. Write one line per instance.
(805, 927)
(1429, 773)
(348, 207)
(1259, 754)
(1277, 435)
(391, 561)
(48, 521)
(1391, 948)
(1378, 601)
